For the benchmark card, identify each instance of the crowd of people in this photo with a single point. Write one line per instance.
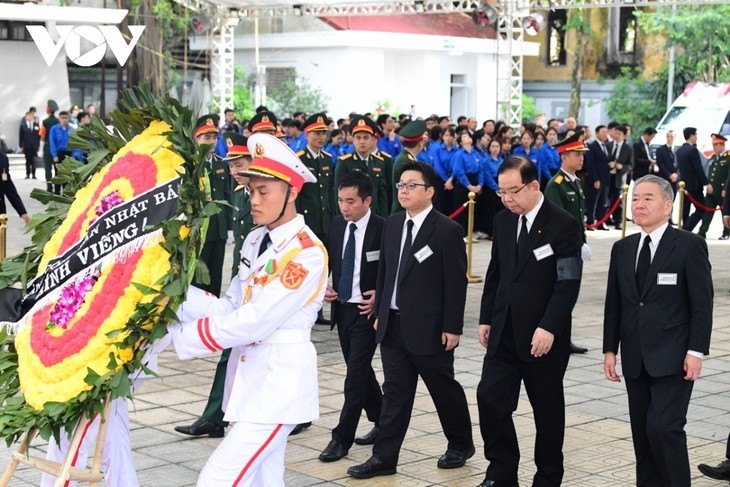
(369, 200)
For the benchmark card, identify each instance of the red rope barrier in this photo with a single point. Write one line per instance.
(700, 205)
(607, 215)
(458, 211)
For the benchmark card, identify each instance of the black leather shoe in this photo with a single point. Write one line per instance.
(202, 427)
(300, 427)
(603, 227)
(455, 458)
(372, 468)
(368, 439)
(576, 349)
(321, 320)
(721, 472)
(493, 483)
(333, 452)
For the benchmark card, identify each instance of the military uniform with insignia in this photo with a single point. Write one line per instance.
(214, 249)
(241, 220)
(719, 171)
(374, 165)
(411, 135)
(265, 319)
(316, 201)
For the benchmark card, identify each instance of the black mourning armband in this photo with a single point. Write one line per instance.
(569, 268)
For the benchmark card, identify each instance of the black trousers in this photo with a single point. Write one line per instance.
(613, 193)
(690, 222)
(596, 202)
(214, 408)
(658, 410)
(362, 391)
(30, 154)
(402, 369)
(497, 396)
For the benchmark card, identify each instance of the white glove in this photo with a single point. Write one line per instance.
(230, 240)
(585, 253)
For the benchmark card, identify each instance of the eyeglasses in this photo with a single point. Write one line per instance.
(502, 193)
(409, 186)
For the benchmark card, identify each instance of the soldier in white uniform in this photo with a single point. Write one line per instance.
(266, 318)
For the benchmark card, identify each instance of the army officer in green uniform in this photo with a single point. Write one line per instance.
(214, 249)
(316, 201)
(364, 131)
(239, 159)
(719, 173)
(412, 137)
(565, 191)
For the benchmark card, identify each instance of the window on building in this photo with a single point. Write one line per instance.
(622, 36)
(556, 53)
(275, 77)
(15, 31)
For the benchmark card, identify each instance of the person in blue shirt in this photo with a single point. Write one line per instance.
(548, 159)
(389, 141)
(443, 154)
(348, 146)
(490, 204)
(336, 141)
(525, 148)
(468, 174)
(58, 142)
(298, 139)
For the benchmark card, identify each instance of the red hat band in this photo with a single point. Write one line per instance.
(577, 145)
(277, 170)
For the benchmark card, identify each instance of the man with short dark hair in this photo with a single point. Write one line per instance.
(29, 142)
(644, 163)
(695, 180)
(420, 298)
(620, 165)
(412, 136)
(58, 142)
(596, 162)
(354, 252)
(658, 312)
(536, 256)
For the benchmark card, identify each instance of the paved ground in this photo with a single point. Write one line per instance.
(598, 449)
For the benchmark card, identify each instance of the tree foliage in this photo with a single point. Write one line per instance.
(700, 34)
(297, 95)
(242, 102)
(634, 100)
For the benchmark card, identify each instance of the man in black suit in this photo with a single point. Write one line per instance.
(644, 163)
(694, 177)
(596, 162)
(659, 311)
(531, 287)
(667, 164)
(29, 141)
(420, 298)
(622, 162)
(9, 191)
(354, 250)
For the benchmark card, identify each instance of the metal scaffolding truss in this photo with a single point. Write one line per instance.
(226, 14)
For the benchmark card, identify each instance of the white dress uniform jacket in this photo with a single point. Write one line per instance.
(265, 318)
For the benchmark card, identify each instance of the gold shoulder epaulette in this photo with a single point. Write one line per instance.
(377, 156)
(559, 179)
(301, 153)
(326, 153)
(386, 154)
(346, 156)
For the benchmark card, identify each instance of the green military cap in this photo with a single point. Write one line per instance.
(572, 143)
(361, 123)
(263, 121)
(52, 105)
(207, 124)
(413, 131)
(315, 123)
(236, 146)
(718, 139)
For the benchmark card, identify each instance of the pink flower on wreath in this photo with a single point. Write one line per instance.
(71, 298)
(108, 202)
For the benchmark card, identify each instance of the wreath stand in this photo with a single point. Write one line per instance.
(63, 471)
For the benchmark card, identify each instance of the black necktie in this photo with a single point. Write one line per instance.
(406, 250)
(603, 147)
(522, 239)
(642, 267)
(264, 244)
(344, 286)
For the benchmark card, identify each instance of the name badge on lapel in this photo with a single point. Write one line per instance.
(373, 255)
(423, 254)
(543, 252)
(666, 279)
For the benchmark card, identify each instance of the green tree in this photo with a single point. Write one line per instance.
(578, 21)
(529, 109)
(700, 33)
(297, 95)
(633, 100)
(242, 102)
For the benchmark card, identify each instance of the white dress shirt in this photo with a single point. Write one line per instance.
(361, 225)
(530, 216)
(417, 223)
